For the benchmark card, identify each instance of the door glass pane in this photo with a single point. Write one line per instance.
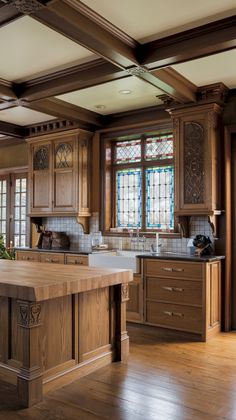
(3, 207)
(20, 220)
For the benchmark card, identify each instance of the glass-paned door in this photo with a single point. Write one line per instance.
(19, 204)
(3, 207)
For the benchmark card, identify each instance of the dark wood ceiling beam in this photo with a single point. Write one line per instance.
(174, 84)
(62, 109)
(6, 90)
(72, 79)
(205, 40)
(8, 13)
(11, 130)
(69, 18)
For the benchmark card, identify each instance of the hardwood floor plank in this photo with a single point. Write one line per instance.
(169, 376)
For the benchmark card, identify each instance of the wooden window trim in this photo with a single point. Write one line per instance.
(108, 187)
(10, 174)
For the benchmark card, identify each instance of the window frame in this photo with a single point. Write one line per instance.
(11, 174)
(109, 168)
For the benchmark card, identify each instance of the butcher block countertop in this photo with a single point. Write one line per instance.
(36, 282)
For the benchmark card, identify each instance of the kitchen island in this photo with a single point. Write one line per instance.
(58, 323)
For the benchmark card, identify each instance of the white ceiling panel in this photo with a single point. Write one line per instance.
(107, 98)
(146, 20)
(213, 69)
(23, 116)
(29, 49)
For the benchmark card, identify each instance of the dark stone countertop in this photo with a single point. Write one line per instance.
(181, 257)
(66, 251)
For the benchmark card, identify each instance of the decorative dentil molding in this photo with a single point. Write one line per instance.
(27, 7)
(29, 314)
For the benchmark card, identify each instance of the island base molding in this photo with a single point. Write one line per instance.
(54, 342)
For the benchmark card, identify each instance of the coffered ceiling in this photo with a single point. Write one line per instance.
(67, 60)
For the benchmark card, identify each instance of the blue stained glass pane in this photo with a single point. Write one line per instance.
(128, 198)
(160, 198)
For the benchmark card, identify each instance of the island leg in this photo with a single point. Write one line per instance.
(29, 379)
(120, 336)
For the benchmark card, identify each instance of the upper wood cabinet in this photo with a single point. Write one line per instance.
(196, 159)
(59, 174)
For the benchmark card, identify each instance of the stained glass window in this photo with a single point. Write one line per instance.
(128, 198)
(64, 156)
(160, 197)
(3, 208)
(41, 160)
(145, 182)
(20, 211)
(128, 151)
(159, 147)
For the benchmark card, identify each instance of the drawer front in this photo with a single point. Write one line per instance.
(28, 256)
(52, 258)
(174, 290)
(174, 316)
(76, 259)
(169, 268)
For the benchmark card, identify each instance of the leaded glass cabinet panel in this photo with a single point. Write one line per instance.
(40, 178)
(64, 194)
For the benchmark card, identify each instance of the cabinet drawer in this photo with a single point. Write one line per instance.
(28, 256)
(174, 290)
(174, 316)
(76, 259)
(169, 268)
(52, 258)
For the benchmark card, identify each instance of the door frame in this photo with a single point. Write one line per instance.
(228, 138)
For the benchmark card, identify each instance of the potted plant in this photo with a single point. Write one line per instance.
(6, 253)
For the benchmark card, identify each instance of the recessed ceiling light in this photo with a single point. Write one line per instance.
(125, 92)
(99, 106)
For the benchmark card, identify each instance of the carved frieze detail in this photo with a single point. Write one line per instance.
(124, 292)
(194, 176)
(29, 314)
(27, 7)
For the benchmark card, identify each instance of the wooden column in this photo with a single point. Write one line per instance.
(29, 379)
(121, 338)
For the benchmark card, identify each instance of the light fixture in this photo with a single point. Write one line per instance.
(125, 92)
(100, 106)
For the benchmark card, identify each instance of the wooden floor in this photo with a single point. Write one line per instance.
(167, 377)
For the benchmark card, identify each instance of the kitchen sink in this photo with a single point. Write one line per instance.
(125, 259)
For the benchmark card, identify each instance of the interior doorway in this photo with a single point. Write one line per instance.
(233, 215)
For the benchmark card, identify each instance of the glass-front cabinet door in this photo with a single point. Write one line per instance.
(41, 186)
(64, 176)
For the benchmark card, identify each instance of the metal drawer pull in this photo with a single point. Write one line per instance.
(179, 314)
(78, 262)
(178, 270)
(173, 289)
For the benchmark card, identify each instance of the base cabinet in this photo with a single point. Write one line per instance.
(135, 304)
(52, 257)
(183, 296)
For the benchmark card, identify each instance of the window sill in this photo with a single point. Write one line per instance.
(164, 235)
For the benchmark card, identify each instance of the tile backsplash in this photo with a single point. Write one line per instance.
(198, 225)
